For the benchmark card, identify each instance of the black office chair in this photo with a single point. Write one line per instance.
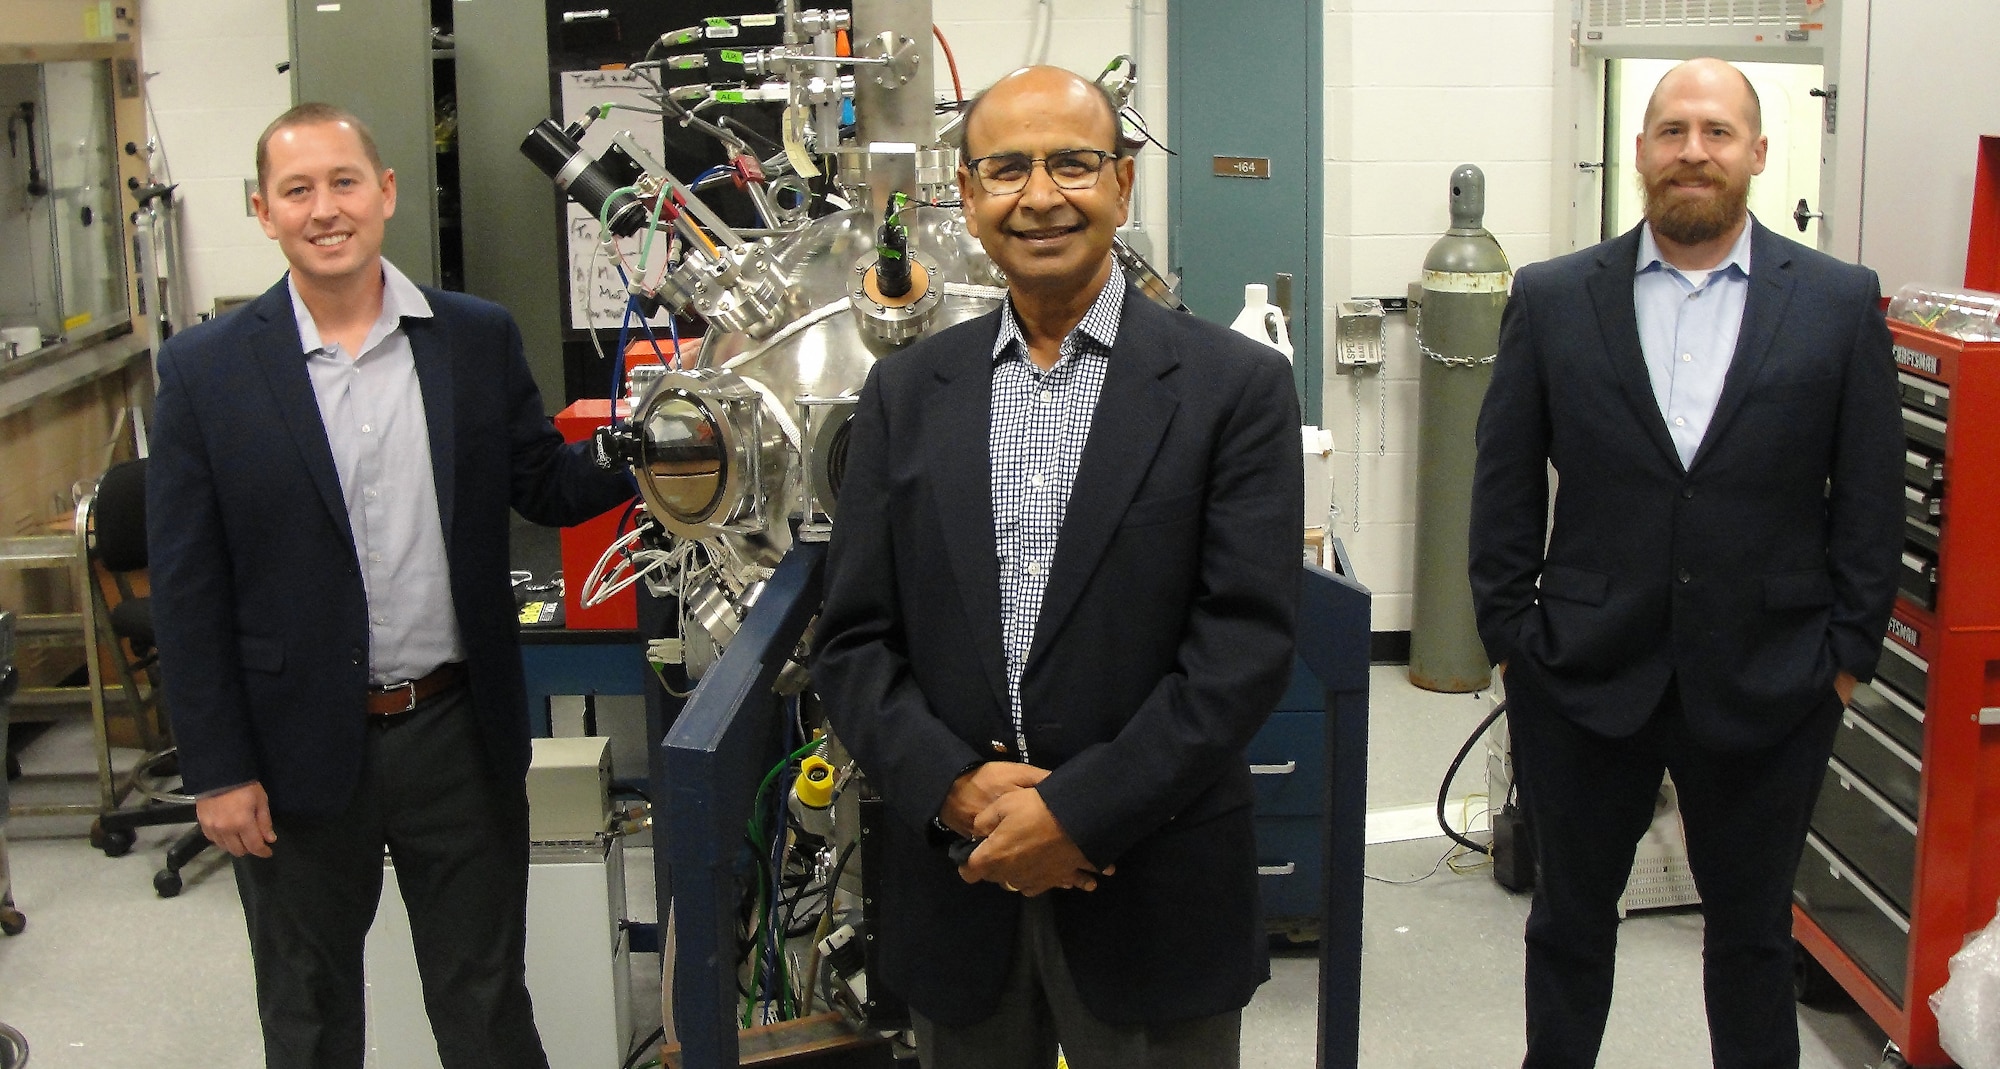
(115, 519)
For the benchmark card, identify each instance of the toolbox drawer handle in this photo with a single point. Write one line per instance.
(1852, 782)
(1285, 869)
(1285, 769)
(1839, 871)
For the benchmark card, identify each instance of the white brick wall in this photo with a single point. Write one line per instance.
(1413, 89)
(212, 75)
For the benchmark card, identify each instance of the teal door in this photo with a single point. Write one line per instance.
(1244, 92)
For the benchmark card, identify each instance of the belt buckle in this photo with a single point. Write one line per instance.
(409, 688)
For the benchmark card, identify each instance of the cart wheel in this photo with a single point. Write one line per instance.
(13, 921)
(1812, 984)
(167, 883)
(114, 843)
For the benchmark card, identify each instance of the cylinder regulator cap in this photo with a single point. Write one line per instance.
(1468, 197)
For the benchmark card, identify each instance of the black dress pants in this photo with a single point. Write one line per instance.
(460, 844)
(1590, 799)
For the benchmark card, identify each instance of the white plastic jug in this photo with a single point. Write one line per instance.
(1262, 320)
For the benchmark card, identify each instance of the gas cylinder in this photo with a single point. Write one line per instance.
(1465, 284)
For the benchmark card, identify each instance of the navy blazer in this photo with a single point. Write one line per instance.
(256, 587)
(1164, 640)
(1752, 575)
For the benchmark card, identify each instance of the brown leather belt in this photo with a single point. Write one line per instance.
(403, 697)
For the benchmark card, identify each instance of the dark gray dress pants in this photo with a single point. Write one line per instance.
(1590, 799)
(1039, 1009)
(460, 844)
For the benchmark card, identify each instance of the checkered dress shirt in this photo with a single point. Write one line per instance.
(1039, 423)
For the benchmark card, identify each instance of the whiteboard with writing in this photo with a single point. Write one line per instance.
(596, 297)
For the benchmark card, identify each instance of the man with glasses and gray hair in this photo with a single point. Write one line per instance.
(1059, 601)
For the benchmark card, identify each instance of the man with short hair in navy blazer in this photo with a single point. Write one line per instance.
(1060, 600)
(1720, 409)
(331, 471)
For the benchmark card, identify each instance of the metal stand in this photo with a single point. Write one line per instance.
(712, 757)
(706, 771)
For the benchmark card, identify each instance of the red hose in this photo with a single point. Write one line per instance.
(957, 87)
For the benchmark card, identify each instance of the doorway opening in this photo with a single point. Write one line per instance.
(1793, 121)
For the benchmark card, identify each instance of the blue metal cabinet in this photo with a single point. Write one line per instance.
(1288, 765)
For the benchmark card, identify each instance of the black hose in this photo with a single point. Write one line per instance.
(638, 1051)
(1451, 773)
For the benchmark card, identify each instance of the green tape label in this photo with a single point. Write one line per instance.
(730, 96)
(732, 56)
(720, 28)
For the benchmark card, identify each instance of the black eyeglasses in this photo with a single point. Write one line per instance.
(1008, 172)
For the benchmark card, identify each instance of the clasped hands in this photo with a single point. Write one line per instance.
(1021, 846)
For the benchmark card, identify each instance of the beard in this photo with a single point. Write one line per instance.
(1694, 219)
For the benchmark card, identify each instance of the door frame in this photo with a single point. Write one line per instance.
(1839, 45)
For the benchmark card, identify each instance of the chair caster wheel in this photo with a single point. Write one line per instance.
(114, 843)
(167, 883)
(13, 921)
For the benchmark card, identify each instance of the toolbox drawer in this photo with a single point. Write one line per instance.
(1908, 674)
(1290, 868)
(1917, 579)
(1868, 832)
(1891, 712)
(1891, 770)
(1288, 764)
(1931, 398)
(1922, 470)
(1855, 916)
(1924, 506)
(1926, 431)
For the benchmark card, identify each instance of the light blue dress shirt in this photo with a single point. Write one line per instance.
(373, 409)
(1687, 331)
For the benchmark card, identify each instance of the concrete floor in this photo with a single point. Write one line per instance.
(107, 974)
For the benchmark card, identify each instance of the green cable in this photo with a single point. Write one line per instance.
(761, 853)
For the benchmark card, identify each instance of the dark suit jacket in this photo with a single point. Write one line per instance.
(1165, 638)
(1752, 575)
(257, 591)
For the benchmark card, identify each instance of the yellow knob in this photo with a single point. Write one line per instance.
(815, 783)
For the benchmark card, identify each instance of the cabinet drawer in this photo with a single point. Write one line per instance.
(1922, 395)
(1924, 506)
(1923, 470)
(1855, 915)
(1288, 765)
(1893, 713)
(1290, 867)
(1304, 692)
(1890, 769)
(1908, 673)
(1867, 831)
(1917, 579)
(1925, 430)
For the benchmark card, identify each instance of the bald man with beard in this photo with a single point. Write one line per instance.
(1719, 405)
